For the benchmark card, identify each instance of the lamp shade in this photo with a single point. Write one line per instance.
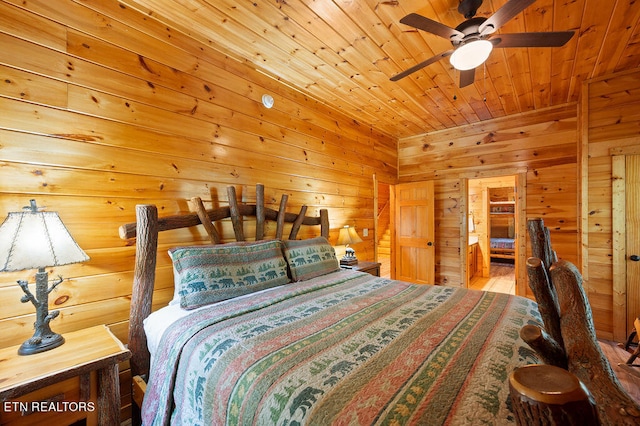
(34, 239)
(471, 54)
(347, 236)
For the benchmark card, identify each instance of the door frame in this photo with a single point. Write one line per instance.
(520, 218)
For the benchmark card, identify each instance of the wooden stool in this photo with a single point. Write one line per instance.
(549, 395)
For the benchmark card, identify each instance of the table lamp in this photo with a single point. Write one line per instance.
(34, 239)
(347, 236)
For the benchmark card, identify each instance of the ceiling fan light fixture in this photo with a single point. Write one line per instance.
(471, 54)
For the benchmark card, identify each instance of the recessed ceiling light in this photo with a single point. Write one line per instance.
(267, 101)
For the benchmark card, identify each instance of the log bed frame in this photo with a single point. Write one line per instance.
(145, 230)
(576, 386)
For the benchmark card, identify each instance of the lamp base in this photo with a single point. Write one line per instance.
(348, 261)
(41, 344)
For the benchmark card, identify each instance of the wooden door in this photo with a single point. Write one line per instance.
(632, 214)
(414, 224)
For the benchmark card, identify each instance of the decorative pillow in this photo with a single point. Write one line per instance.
(310, 258)
(211, 273)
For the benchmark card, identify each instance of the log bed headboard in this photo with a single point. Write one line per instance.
(148, 225)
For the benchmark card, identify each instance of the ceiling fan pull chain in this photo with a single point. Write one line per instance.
(484, 82)
(455, 86)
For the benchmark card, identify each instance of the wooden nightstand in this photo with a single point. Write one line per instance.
(372, 268)
(78, 380)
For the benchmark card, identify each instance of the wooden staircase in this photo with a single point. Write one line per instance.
(384, 233)
(384, 253)
(384, 244)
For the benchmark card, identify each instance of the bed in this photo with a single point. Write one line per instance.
(272, 331)
(503, 248)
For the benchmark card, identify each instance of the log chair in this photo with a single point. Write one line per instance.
(569, 342)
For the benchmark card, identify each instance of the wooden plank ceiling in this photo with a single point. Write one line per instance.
(343, 52)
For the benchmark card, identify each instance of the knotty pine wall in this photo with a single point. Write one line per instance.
(610, 126)
(103, 109)
(541, 145)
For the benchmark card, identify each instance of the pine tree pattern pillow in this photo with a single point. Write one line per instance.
(310, 258)
(211, 273)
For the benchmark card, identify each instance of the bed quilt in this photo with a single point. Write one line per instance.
(346, 348)
(503, 243)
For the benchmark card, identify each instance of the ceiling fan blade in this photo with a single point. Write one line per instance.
(431, 26)
(503, 15)
(548, 39)
(421, 65)
(467, 77)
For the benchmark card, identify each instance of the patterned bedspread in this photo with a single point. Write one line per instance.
(347, 349)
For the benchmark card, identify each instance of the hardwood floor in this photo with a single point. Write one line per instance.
(616, 355)
(385, 265)
(502, 279)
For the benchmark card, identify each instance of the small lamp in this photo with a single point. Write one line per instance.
(35, 239)
(348, 236)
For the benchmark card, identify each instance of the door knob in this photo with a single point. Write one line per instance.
(429, 243)
(634, 257)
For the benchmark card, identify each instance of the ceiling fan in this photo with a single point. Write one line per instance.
(474, 39)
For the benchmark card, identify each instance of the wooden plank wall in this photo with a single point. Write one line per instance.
(541, 144)
(610, 117)
(103, 109)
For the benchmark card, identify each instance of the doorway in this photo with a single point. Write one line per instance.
(493, 208)
(626, 242)
(383, 226)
